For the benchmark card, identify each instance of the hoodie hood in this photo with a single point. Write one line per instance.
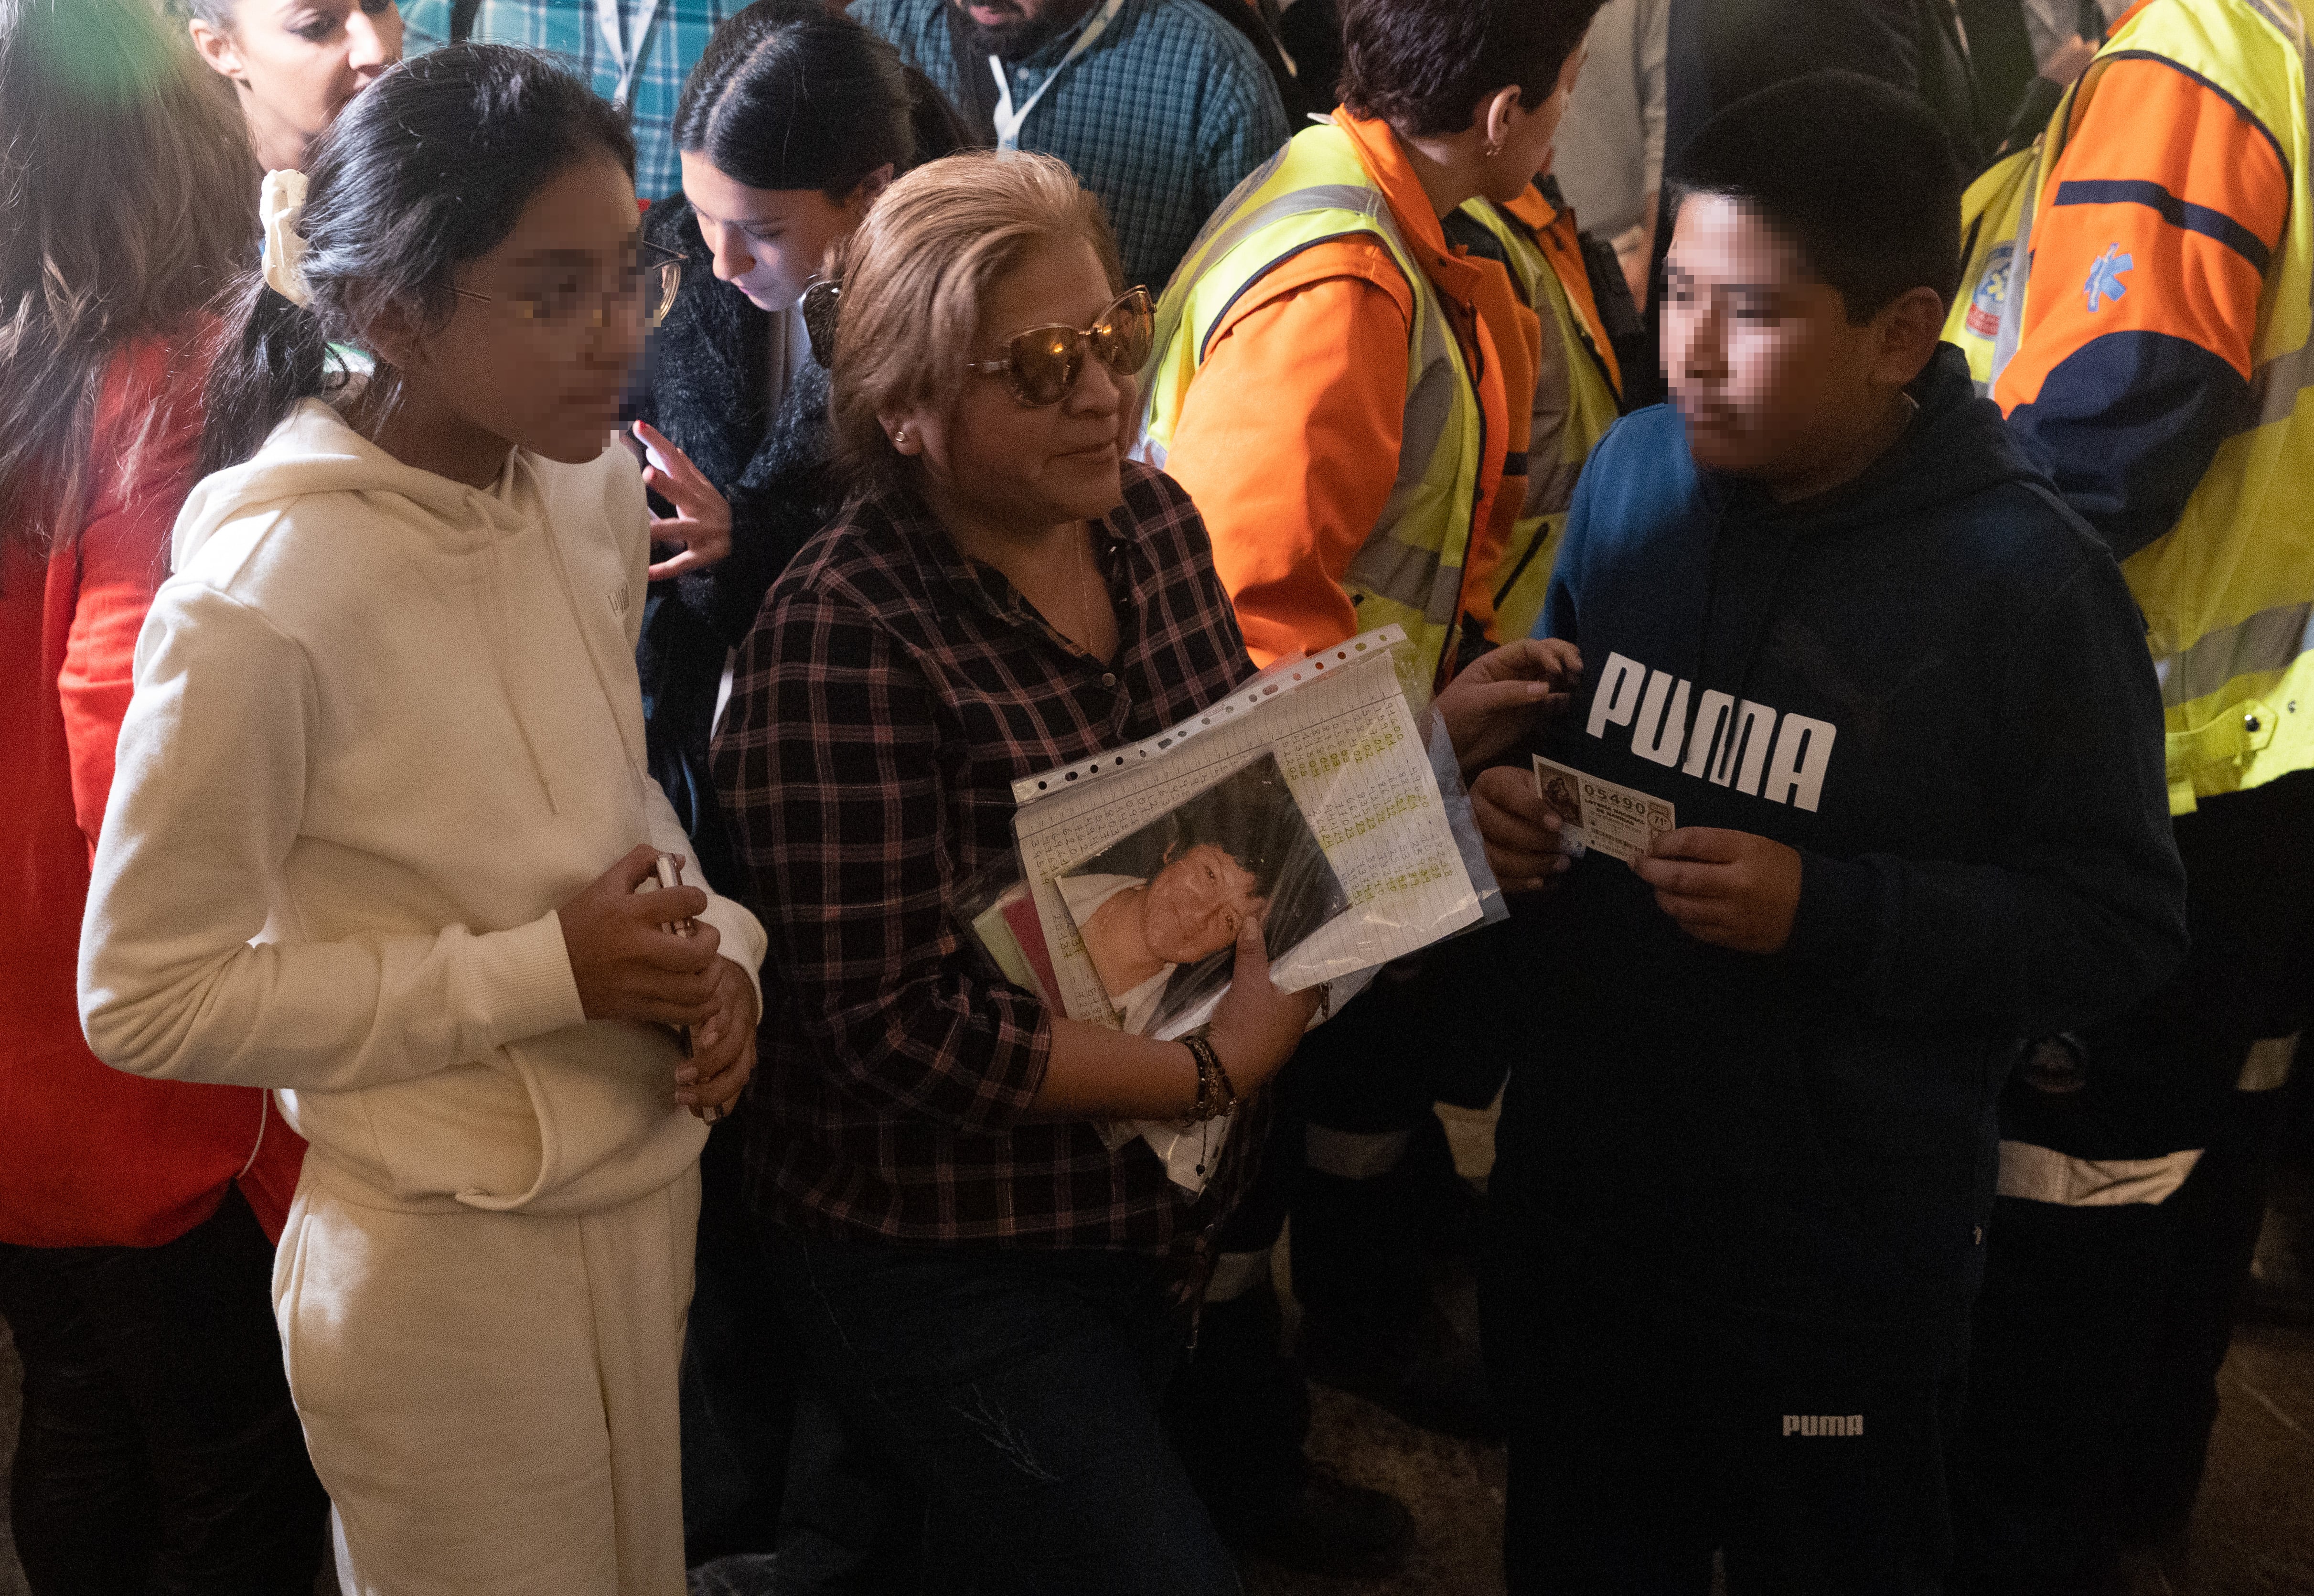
(314, 451)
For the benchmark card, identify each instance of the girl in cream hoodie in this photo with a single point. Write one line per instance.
(386, 739)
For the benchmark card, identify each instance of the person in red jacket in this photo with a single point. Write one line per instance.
(159, 1448)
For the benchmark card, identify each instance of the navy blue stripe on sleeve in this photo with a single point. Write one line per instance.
(2176, 212)
(2126, 425)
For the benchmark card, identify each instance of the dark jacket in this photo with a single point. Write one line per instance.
(1934, 685)
(705, 386)
(1721, 50)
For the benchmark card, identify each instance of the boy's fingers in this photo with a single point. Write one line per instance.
(1683, 878)
(1709, 845)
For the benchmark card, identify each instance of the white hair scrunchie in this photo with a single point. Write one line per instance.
(280, 205)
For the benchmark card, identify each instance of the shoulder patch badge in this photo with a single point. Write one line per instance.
(1983, 318)
(2104, 283)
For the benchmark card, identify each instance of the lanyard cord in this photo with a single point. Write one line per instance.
(1008, 120)
(629, 61)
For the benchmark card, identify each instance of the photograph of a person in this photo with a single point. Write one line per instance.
(1159, 910)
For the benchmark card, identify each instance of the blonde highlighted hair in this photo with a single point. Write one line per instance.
(915, 274)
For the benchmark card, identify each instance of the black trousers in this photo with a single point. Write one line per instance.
(1641, 1443)
(160, 1452)
(2100, 1329)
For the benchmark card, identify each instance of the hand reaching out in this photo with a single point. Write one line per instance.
(1490, 707)
(701, 522)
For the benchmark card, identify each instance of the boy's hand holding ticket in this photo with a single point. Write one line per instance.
(1729, 888)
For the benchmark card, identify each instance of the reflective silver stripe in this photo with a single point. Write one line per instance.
(2266, 1068)
(2043, 1175)
(2268, 640)
(1354, 1155)
(1224, 236)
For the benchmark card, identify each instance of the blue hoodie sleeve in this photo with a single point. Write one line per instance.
(2080, 909)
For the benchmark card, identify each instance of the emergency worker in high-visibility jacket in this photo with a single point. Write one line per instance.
(2142, 301)
(1379, 372)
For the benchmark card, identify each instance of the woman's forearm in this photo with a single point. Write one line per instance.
(1096, 1073)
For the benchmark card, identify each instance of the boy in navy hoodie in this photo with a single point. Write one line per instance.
(1897, 697)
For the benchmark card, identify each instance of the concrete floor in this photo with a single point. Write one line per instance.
(2252, 1536)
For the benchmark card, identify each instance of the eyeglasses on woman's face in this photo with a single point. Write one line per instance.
(1044, 363)
(568, 294)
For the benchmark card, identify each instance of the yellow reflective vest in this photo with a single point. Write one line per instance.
(2228, 592)
(1577, 397)
(1410, 571)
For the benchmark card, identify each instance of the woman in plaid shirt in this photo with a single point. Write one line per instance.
(990, 1293)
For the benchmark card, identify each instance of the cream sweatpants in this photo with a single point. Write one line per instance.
(491, 1397)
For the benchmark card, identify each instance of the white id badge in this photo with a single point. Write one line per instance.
(1618, 821)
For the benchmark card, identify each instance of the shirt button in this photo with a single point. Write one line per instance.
(1108, 679)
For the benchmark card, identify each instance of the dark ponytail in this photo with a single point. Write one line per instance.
(791, 95)
(427, 169)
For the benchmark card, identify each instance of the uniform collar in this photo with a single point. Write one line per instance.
(1385, 158)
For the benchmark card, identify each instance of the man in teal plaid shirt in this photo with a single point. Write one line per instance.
(659, 43)
(1161, 107)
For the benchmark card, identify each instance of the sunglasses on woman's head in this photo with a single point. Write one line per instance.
(1045, 363)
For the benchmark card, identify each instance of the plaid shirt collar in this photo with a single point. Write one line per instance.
(1117, 536)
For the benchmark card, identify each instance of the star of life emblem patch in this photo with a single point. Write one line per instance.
(2105, 285)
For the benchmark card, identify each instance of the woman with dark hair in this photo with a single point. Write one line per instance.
(989, 1289)
(294, 64)
(385, 738)
(159, 1448)
(792, 123)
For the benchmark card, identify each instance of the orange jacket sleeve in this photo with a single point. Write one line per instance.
(1288, 440)
(2149, 261)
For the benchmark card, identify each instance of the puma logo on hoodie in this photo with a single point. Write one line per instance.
(1779, 758)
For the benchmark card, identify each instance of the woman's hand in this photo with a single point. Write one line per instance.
(701, 522)
(722, 1050)
(625, 965)
(1256, 1027)
(1520, 830)
(1488, 708)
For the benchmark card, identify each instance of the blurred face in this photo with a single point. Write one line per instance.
(769, 244)
(1015, 28)
(529, 364)
(1196, 903)
(1769, 373)
(1029, 468)
(295, 63)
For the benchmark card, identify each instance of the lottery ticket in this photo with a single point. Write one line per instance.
(1618, 821)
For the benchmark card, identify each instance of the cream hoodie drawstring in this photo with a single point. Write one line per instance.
(498, 646)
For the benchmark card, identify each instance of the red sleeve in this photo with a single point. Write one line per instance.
(123, 551)
(1289, 444)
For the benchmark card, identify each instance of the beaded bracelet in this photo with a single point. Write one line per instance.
(1216, 1093)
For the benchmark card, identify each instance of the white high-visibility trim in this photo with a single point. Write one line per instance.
(1354, 1155)
(2044, 1174)
(1235, 1274)
(2267, 1067)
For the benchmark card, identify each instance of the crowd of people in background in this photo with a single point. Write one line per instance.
(536, 539)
